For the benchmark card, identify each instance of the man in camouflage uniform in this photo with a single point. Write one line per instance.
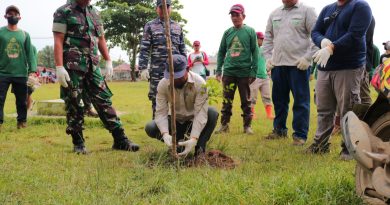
(78, 34)
(153, 43)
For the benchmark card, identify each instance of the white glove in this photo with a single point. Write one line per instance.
(269, 64)
(62, 76)
(108, 70)
(322, 56)
(325, 42)
(189, 145)
(303, 64)
(167, 139)
(145, 75)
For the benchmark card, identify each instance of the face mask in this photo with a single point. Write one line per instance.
(13, 20)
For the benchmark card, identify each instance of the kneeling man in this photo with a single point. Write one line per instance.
(195, 120)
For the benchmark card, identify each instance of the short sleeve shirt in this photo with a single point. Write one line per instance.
(82, 28)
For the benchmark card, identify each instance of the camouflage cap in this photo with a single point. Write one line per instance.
(179, 66)
(159, 2)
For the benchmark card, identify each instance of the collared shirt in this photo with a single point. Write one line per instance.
(191, 104)
(287, 36)
(154, 44)
(82, 28)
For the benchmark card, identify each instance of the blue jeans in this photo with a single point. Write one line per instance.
(286, 79)
(19, 85)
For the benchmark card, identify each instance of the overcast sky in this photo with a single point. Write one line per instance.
(207, 19)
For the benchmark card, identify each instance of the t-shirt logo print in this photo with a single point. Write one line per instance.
(236, 48)
(13, 48)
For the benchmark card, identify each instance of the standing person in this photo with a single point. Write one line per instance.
(365, 82)
(153, 44)
(238, 54)
(17, 62)
(32, 82)
(289, 50)
(76, 56)
(386, 55)
(44, 76)
(261, 83)
(198, 60)
(194, 117)
(376, 61)
(340, 32)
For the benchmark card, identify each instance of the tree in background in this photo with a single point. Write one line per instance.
(46, 57)
(124, 21)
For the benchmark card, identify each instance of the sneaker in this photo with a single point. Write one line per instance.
(223, 129)
(126, 145)
(21, 125)
(316, 148)
(297, 141)
(79, 149)
(276, 135)
(248, 131)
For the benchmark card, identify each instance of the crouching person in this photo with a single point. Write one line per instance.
(195, 120)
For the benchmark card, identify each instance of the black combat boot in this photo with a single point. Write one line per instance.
(121, 142)
(78, 143)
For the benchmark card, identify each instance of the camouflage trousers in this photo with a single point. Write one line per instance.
(93, 85)
(155, 78)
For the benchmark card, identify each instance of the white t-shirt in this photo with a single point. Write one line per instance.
(197, 67)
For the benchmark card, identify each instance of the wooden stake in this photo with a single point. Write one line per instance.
(171, 78)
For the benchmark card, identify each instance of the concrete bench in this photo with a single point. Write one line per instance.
(51, 107)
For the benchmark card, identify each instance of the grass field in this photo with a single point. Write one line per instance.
(37, 165)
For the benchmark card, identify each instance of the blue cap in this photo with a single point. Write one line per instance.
(159, 2)
(179, 66)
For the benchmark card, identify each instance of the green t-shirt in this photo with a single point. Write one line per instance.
(238, 52)
(261, 70)
(17, 57)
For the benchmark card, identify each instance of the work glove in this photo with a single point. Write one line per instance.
(269, 64)
(325, 42)
(303, 64)
(322, 56)
(189, 145)
(145, 75)
(167, 139)
(62, 76)
(108, 70)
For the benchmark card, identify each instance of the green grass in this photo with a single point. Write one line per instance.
(38, 167)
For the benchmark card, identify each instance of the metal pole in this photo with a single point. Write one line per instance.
(171, 78)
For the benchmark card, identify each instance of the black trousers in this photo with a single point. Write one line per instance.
(185, 128)
(230, 85)
(19, 85)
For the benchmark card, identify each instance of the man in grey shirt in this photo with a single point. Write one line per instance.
(288, 50)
